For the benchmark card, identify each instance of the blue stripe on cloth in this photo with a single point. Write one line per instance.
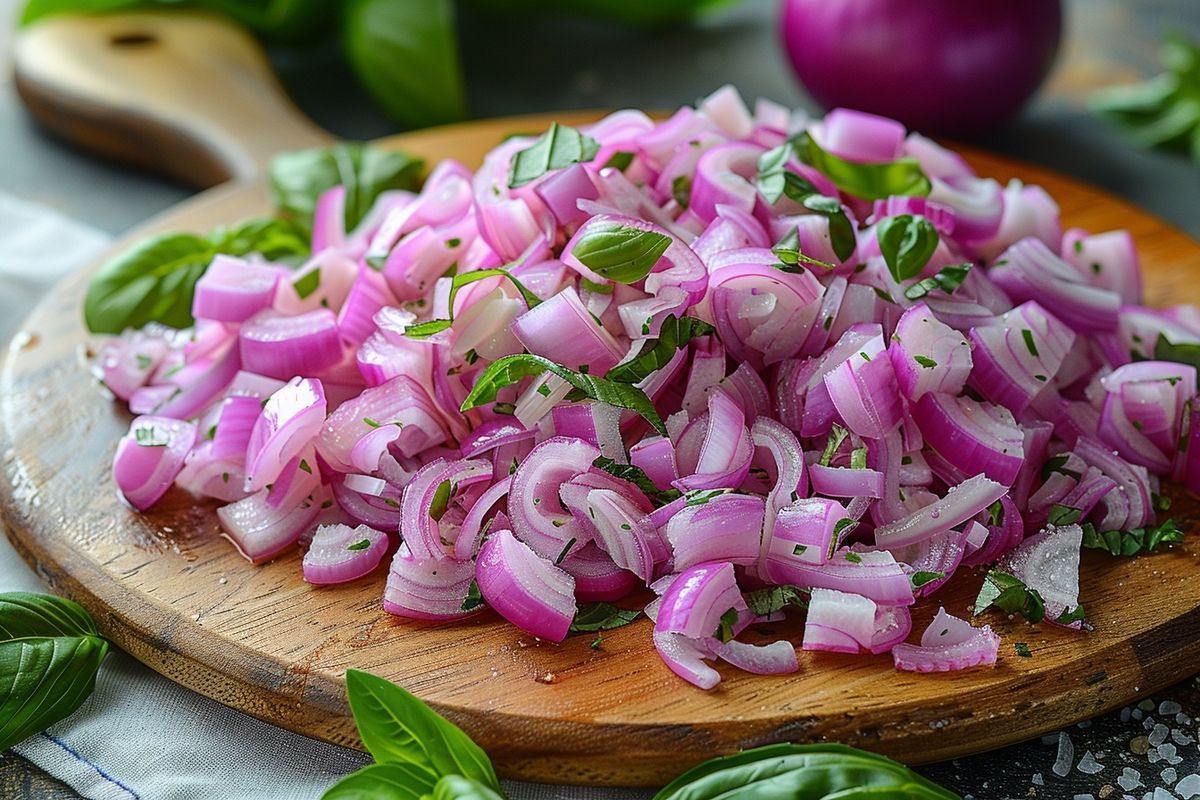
(96, 767)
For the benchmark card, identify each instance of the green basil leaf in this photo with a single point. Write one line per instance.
(384, 782)
(593, 617)
(456, 787)
(423, 330)
(1062, 515)
(947, 279)
(675, 335)
(397, 728)
(802, 771)
(298, 178)
(1010, 594)
(1183, 353)
(907, 242)
(43, 679)
(155, 279)
(868, 181)
(465, 278)
(791, 257)
(620, 253)
(681, 190)
(775, 180)
(24, 614)
(1133, 542)
(559, 147)
(919, 579)
(509, 370)
(773, 599)
(406, 56)
(638, 477)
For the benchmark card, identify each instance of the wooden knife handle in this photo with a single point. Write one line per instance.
(182, 93)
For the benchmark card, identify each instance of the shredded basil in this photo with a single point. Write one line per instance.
(560, 146)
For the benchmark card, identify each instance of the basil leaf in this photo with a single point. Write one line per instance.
(1062, 515)
(907, 242)
(802, 771)
(1184, 353)
(620, 253)
(919, 579)
(155, 279)
(675, 334)
(773, 599)
(384, 782)
(406, 56)
(947, 279)
(298, 178)
(465, 278)
(775, 180)
(456, 787)
(24, 614)
(593, 617)
(681, 190)
(49, 654)
(1010, 594)
(638, 477)
(791, 257)
(509, 370)
(423, 330)
(560, 146)
(397, 728)
(868, 181)
(1133, 542)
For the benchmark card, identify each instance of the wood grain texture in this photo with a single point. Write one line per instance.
(178, 92)
(165, 587)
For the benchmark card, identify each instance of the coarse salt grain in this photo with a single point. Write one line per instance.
(1088, 765)
(1066, 756)
(1130, 779)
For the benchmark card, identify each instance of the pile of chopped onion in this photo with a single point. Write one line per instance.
(681, 355)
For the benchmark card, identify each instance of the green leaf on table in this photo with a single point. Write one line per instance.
(299, 178)
(49, 655)
(1133, 542)
(509, 370)
(801, 772)
(638, 477)
(155, 279)
(397, 728)
(406, 56)
(456, 787)
(600, 616)
(620, 253)
(867, 181)
(384, 782)
(906, 242)
(1009, 593)
(559, 147)
(675, 334)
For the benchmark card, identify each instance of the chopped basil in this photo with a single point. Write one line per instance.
(853, 557)
(925, 361)
(921, 578)
(858, 458)
(1022, 650)
(698, 497)
(509, 370)
(144, 361)
(566, 549)
(1185, 353)
(724, 631)
(1062, 515)
(441, 500)
(559, 147)
(791, 256)
(907, 243)
(361, 544)
(681, 189)
(799, 550)
(674, 335)
(372, 423)
(1070, 615)
(150, 437)
(1133, 542)
(620, 160)
(423, 330)
(947, 279)
(837, 435)
(775, 180)
(902, 177)
(619, 252)
(1010, 594)
(593, 617)
(304, 466)
(773, 599)
(1027, 335)
(638, 477)
(474, 599)
(1058, 464)
(307, 284)
(996, 513)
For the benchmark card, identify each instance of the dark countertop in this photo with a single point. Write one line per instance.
(585, 65)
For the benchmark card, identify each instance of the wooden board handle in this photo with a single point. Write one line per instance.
(182, 93)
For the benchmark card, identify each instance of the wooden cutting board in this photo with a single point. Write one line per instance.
(164, 587)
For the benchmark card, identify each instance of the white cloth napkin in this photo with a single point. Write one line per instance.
(139, 736)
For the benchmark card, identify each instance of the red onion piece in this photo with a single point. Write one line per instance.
(977, 438)
(149, 457)
(524, 588)
(234, 289)
(290, 419)
(948, 644)
(726, 528)
(432, 590)
(839, 622)
(271, 520)
(283, 347)
(339, 553)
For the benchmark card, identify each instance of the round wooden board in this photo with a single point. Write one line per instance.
(166, 588)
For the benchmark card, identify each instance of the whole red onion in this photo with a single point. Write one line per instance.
(940, 66)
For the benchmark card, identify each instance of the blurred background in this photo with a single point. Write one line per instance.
(503, 57)
(1119, 108)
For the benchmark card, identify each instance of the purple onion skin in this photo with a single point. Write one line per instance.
(939, 66)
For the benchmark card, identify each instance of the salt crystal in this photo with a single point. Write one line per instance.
(1050, 738)
(1169, 707)
(1037, 779)
(1169, 776)
(1183, 719)
(1159, 734)
(1189, 787)
(1084, 797)
(1162, 794)
(1130, 779)
(1066, 755)
(1179, 737)
(1149, 723)
(1088, 765)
